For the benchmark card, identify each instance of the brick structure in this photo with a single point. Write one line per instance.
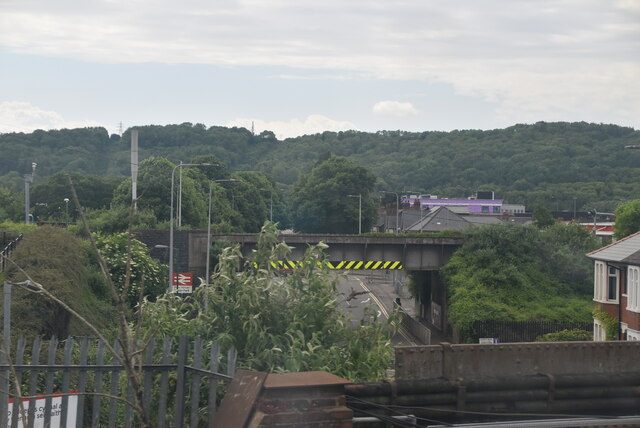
(307, 399)
(617, 289)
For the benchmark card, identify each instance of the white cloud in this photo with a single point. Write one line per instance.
(394, 108)
(313, 124)
(531, 53)
(19, 116)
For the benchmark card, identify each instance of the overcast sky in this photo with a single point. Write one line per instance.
(301, 67)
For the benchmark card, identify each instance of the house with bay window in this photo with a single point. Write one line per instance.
(616, 289)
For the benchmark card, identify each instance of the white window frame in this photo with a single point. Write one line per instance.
(599, 332)
(602, 273)
(633, 288)
(633, 334)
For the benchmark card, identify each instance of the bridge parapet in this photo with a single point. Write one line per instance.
(413, 253)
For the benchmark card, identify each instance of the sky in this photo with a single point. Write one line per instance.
(299, 67)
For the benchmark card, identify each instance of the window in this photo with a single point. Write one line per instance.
(633, 334)
(496, 210)
(485, 209)
(605, 283)
(599, 333)
(598, 282)
(633, 288)
(612, 289)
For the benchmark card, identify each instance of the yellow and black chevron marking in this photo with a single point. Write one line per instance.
(368, 265)
(346, 265)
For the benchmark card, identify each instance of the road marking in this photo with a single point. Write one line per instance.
(403, 332)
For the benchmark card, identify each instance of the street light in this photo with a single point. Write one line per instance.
(66, 208)
(173, 176)
(397, 207)
(359, 196)
(28, 179)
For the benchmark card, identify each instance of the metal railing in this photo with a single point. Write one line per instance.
(6, 252)
(79, 385)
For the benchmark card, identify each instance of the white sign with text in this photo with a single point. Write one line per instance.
(56, 412)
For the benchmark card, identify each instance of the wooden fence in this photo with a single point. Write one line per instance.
(78, 384)
(523, 331)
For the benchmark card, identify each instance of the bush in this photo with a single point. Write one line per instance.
(277, 324)
(574, 335)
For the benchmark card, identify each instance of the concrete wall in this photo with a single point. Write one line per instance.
(476, 361)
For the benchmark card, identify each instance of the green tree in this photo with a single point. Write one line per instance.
(218, 172)
(627, 219)
(49, 197)
(154, 192)
(147, 275)
(320, 201)
(256, 196)
(116, 219)
(10, 206)
(277, 324)
(542, 216)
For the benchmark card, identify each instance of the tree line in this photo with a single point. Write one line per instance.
(567, 164)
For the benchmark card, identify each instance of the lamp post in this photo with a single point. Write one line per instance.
(359, 196)
(28, 179)
(173, 176)
(397, 209)
(66, 209)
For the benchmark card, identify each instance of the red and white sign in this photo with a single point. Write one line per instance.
(56, 412)
(183, 283)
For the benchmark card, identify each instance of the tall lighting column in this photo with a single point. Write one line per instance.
(173, 176)
(28, 179)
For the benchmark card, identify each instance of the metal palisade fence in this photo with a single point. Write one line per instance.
(7, 250)
(76, 383)
(523, 331)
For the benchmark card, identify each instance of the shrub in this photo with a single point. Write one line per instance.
(574, 335)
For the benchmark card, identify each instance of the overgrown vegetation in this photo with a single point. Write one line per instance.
(277, 323)
(147, 276)
(59, 259)
(512, 272)
(609, 322)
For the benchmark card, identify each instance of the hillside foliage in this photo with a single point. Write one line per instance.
(565, 164)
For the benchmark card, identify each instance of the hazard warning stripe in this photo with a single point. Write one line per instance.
(341, 265)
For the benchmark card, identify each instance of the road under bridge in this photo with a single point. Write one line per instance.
(424, 256)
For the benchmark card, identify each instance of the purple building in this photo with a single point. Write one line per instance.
(460, 206)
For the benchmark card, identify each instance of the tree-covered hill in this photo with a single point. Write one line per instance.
(559, 162)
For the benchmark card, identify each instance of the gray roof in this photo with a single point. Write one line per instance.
(482, 219)
(443, 218)
(626, 250)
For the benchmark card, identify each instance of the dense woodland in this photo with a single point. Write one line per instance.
(556, 162)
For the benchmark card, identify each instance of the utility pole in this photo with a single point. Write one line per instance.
(28, 179)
